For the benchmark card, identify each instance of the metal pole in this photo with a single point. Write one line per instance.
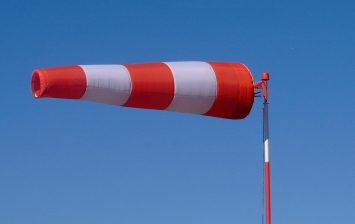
(267, 163)
(265, 78)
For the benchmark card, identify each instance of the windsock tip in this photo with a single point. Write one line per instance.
(37, 84)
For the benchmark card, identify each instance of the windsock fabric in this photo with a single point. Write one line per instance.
(215, 89)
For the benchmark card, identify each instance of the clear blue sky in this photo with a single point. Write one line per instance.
(79, 162)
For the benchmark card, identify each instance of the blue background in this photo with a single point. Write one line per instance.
(72, 162)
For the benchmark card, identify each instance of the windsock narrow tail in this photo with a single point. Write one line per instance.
(62, 82)
(223, 90)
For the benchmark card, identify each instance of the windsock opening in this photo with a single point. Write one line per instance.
(37, 85)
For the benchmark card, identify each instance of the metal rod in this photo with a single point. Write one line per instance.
(264, 81)
(263, 84)
(267, 163)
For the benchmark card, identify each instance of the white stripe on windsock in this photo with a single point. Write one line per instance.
(107, 83)
(195, 87)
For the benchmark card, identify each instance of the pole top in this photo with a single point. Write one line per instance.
(265, 76)
(262, 84)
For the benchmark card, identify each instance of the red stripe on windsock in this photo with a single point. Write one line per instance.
(60, 82)
(152, 86)
(235, 91)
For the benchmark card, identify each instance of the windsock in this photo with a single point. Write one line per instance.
(217, 89)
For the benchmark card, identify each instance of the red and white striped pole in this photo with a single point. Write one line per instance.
(264, 86)
(265, 78)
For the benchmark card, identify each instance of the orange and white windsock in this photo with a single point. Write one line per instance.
(216, 89)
